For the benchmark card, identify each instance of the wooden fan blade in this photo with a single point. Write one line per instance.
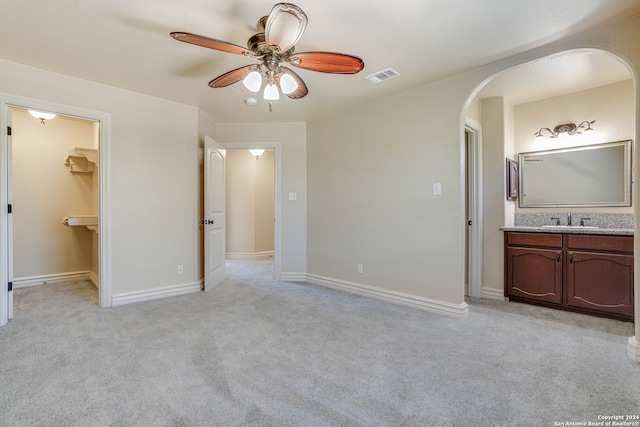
(211, 43)
(231, 77)
(327, 62)
(302, 90)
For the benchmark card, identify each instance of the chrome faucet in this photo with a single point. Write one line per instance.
(569, 218)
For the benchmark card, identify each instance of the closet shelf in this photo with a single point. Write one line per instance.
(81, 160)
(88, 221)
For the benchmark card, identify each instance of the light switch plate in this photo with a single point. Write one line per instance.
(437, 189)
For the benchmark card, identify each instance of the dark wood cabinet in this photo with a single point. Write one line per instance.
(535, 273)
(587, 273)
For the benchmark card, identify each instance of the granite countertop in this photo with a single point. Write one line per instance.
(572, 230)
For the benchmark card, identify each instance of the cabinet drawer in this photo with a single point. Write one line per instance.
(535, 239)
(600, 243)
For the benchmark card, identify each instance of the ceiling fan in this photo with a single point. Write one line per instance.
(274, 46)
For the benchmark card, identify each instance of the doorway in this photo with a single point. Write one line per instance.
(473, 208)
(253, 206)
(54, 188)
(101, 122)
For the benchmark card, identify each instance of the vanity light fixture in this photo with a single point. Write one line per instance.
(562, 129)
(41, 115)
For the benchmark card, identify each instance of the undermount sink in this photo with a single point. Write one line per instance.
(571, 227)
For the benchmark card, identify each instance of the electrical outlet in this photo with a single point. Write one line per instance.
(360, 269)
(180, 269)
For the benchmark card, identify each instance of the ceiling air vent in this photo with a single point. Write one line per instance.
(383, 75)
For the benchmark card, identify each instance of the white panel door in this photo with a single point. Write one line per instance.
(9, 220)
(6, 240)
(214, 214)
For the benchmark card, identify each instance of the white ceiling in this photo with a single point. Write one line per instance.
(556, 75)
(126, 43)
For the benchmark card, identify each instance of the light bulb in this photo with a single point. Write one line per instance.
(271, 92)
(288, 84)
(253, 81)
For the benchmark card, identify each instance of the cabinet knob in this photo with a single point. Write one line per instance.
(558, 255)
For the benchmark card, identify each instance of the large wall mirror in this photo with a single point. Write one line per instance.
(593, 175)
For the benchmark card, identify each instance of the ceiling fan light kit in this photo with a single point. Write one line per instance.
(287, 84)
(271, 92)
(253, 81)
(274, 45)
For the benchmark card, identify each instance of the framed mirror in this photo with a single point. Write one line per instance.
(592, 175)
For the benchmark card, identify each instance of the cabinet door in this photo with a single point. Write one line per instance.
(602, 282)
(535, 274)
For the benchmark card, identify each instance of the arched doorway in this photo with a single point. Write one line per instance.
(511, 103)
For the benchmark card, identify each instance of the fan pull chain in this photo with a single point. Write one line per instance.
(270, 107)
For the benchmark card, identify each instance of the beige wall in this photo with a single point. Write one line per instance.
(44, 192)
(264, 203)
(250, 204)
(153, 174)
(371, 173)
(494, 136)
(371, 170)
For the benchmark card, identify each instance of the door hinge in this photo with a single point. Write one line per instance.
(9, 130)
(10, 287)
(9, 208)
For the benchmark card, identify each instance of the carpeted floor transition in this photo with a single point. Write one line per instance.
(257, 352)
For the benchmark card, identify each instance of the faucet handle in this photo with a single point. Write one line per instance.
(557, 219)
(582, 220)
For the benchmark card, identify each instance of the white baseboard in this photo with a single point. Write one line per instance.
(633, 350)
(293, 277)
(256, 255)
(492, 293)
(25, 282)
(427, 304)
(155, 293)
(94, 279)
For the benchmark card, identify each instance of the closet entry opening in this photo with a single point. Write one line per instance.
(251, 208)
(55, 198)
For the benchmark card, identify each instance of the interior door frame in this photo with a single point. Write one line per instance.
(473, 163)
(8, 101)
(277, 238)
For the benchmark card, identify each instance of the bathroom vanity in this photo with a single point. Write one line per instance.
(587, 270)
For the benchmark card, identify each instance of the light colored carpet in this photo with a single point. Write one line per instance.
(256, 352)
